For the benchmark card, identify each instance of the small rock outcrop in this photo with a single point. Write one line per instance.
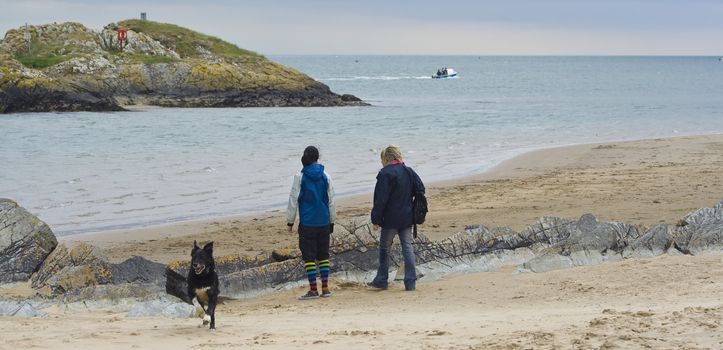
(25, 242)
(550, 243)
(71, 271)
(138, 269)
(16, 308)
(73, 68)
(67, 269)
(701, 230)
(165, 307)
(588, 242)
(657, 241)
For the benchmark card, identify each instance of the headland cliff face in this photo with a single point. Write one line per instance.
(69, 67)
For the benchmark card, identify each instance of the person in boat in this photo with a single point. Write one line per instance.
(439, 72)
(444, 71)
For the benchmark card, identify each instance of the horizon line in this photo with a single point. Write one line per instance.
(492, 55)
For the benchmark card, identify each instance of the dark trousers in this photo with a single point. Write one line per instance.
(314, 242)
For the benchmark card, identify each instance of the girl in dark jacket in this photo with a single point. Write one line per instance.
(392, 212)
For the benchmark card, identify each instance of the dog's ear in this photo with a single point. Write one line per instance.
(208, 247)
(195, 248)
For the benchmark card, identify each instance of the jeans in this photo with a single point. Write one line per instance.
(385, 243)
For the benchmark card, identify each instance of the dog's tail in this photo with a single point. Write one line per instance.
(176, 285)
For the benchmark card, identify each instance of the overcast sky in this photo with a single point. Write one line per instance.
(505, 27)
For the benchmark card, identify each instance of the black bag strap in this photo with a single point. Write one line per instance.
(414, 193)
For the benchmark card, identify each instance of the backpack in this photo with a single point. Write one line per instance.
(419, 201)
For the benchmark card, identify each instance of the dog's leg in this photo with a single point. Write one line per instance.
(211, 311)
(203, 312)
(200, 310)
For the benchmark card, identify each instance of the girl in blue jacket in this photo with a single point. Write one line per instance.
(313, 195)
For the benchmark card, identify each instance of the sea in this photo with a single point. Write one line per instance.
(93, 172)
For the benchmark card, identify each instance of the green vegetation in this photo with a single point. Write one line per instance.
(50, 46)
(147, 59)
(40, 61)
(185, 41)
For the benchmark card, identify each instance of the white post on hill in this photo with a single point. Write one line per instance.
(26, 36)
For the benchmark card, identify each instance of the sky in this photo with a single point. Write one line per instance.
(422, 27)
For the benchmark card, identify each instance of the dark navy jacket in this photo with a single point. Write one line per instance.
(393, 197)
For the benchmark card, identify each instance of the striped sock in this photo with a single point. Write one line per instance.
(311, 274)
(324, 270)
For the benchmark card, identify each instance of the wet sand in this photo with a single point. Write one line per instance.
(640, 182)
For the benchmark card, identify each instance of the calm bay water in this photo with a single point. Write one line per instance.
(88, 172)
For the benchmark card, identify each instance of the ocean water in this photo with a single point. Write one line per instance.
(90, 172)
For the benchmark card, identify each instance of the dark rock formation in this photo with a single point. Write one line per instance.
(138, 270)
(701, 230)
(83, 274)
(550, 243)
(67, 270)
(350, 98)
(588, 242)
(656, 241)
(25, 241)
(73, 270)
(14, 99)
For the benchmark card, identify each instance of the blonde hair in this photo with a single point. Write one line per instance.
(391, 153)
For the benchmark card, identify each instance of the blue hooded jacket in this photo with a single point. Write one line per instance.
(314, 196)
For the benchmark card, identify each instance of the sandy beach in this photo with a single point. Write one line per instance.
(666, 302)
(571, 152)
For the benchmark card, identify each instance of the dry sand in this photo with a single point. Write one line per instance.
(667, 302)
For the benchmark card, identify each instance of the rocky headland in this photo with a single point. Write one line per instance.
(70, 67)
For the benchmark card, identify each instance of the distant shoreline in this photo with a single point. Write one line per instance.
(639, 182)
(502, 168)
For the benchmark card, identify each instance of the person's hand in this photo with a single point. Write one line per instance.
(290, 229)
(376, 227)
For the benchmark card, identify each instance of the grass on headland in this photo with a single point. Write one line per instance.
(40, 61)
(52, 47)
(185, 41)
(147, 59)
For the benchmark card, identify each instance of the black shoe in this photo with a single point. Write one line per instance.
(310, 295)
(374, 285)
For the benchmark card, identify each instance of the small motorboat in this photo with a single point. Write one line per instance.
(445, 73)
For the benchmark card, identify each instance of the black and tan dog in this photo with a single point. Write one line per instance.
(203, 282)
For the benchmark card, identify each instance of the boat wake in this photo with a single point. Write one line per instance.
(381, 77)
